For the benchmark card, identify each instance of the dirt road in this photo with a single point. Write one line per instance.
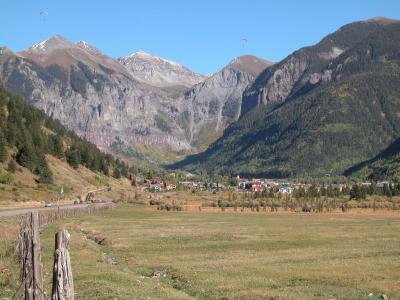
(21, 211)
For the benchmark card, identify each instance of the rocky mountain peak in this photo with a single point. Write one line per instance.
(59, 51)
(53, 43)
(140, 54)
(381, 20)
(158, 71)
(249, 64)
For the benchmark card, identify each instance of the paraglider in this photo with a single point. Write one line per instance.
(243, 40)
(44, 14)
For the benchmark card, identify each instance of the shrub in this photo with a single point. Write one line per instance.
(6, 178)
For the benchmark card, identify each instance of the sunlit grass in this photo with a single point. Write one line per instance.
(230, 255)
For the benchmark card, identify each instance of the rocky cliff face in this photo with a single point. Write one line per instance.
(90, 93)
(127, 103)
(210, 106)
(307, 67)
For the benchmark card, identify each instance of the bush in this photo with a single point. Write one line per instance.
(6, 178)
(155, 202)
(306, 208)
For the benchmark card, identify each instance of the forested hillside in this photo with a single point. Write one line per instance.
(327, 128)
(28, 134)
(384, 166)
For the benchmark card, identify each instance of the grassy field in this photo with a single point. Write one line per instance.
(215, 255)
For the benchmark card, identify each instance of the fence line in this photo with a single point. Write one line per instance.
(29, 253)
(52, 215)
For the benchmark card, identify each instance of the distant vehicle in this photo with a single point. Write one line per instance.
(48, 205)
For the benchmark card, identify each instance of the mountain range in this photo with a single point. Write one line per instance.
(327, 109)
(138, 105)
(319, 111)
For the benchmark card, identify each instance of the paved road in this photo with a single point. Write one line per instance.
(21, 211)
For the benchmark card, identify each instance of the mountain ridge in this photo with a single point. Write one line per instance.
(102, 101)
(323, 129)
(307, 66)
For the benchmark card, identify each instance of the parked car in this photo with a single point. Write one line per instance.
(48, 204)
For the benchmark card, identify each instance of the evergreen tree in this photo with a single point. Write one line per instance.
(94, 164)
(72, 157)
(11, 166)
(26, 157)
(387, 191)
(104, 167)
(355, 192)
(124, 170)
(116, 173)
(56, 146)
(3, 150)
(86, 157)
(45, 174)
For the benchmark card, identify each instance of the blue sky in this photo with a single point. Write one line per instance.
(203, 35)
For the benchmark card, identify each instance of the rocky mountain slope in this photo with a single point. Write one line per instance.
(135, 104)
(321, 128)
(307, 67)
(210, 106)
(90, 93)
(159, 72)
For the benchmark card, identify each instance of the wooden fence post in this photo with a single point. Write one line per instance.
(63, 284)
(30, 258)
(37, 259)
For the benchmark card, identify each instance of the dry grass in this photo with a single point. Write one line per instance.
(8, 261)
(25, 192)
(210, 254)
(232, 255)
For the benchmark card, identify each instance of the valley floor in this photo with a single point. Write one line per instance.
(223, 255)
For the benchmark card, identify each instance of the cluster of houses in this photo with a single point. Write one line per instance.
(204, 186)
(249, 185)
(158, 185)
(259, 185)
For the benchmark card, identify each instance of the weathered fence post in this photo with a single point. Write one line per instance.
(63, 284)
(30, 258)
(37, 259)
